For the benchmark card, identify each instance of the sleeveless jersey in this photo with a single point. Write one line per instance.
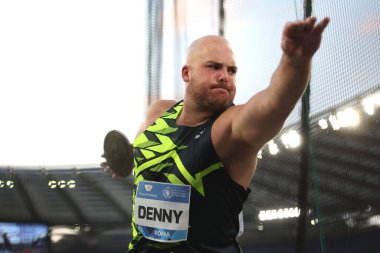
(170, 153)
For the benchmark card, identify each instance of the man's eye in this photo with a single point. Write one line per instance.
(232, 70)
(214, 66)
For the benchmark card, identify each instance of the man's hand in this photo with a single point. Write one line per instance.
(301, 39)
(107, 169)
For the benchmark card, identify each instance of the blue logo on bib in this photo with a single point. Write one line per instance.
(168, 192)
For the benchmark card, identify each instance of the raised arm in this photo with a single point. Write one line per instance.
(263, 116)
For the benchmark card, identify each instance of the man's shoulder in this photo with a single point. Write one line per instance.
(160, 106)
(157, 108)
(163, 103)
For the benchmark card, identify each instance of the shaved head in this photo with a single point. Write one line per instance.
(203, 45)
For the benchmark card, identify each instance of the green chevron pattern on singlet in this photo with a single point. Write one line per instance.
(155, 152)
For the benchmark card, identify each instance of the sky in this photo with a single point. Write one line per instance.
(70, 71)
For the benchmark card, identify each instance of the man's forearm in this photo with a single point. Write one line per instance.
(288, 83)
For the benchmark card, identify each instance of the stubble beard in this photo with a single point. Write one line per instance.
(206, 102)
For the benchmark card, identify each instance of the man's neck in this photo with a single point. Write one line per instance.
(193, 116)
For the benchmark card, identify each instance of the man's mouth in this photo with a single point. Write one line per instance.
(218, 86)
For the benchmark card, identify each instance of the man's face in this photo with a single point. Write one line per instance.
(212, 76)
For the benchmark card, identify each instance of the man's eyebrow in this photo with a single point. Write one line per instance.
(213, 62)
(219, 63)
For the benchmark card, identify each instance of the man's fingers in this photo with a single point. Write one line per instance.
(293, 27)
(297, 26)
(318, 29)
(105, 167)
(308, 25)
(115, 176)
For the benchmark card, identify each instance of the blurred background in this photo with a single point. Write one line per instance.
(70, 71)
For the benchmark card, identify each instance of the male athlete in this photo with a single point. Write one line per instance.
(194, 159)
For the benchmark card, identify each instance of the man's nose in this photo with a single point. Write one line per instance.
(223, 77)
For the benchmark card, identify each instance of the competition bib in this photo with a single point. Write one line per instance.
(161, 211)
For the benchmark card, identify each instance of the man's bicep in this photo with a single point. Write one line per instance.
(256, 122)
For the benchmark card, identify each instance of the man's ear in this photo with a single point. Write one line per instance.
(185, 73)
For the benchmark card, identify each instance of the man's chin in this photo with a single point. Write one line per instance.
(221, 106)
